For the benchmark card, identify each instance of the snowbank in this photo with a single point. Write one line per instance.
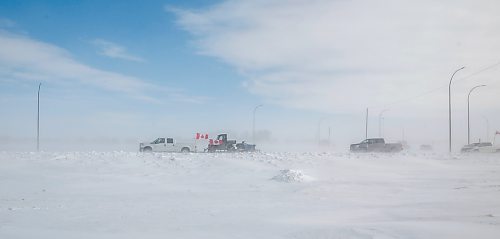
(290, 176)
(132, 195)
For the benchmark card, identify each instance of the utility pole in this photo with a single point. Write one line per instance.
(38, 120)
(468, 112)
(449, 106)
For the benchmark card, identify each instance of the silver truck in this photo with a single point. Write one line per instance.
(376, 145)
(167, 145)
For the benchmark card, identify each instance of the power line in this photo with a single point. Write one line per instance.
(438, 88)
(480, 71)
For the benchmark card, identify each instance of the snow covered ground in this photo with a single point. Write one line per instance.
(260, 195)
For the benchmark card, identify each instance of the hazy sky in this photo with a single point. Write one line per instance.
(136, 70)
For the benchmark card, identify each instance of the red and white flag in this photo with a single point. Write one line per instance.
(498, 132)
(201, 136)
(214, 142)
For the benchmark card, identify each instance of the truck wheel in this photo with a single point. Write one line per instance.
(185, 150)
(147, 150)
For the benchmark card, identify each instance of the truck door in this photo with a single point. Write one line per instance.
(376, 145)
(364, 144)
(159, 145)
(170, 146)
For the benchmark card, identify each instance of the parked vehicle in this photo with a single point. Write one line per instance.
(167, 145)
(376, 145)
(489, 149)
(483, 147)
(222, 144)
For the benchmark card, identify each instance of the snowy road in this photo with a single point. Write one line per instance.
(325, 195)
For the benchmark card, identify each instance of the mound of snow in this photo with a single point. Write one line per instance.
(290, 176)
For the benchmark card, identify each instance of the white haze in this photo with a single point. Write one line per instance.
(340, 57)
(306, 61)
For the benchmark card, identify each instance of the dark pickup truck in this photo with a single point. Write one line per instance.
(222, 144)
(376, 145)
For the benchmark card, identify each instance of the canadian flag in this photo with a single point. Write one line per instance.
(214, 142)
(201, 136)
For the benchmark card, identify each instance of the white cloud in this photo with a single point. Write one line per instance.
(23, 58)
(342, 56)
(113, 50)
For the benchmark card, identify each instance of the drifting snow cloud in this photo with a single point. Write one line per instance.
(114, 50)
(346, 55)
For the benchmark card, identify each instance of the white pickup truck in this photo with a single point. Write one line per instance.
(167, 145)
(482, 147)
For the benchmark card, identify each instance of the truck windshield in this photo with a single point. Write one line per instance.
(159, 141)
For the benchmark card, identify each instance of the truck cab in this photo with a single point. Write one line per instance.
(162, 144)
(375, 145)
(369, 144)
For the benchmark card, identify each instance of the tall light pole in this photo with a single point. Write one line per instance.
(38, 120)
(253, 124)
(380, 122)
(468, 112)
(449, 105)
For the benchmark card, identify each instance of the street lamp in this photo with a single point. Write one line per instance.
(449, 105)
(380, 122)
(253, 124)
(468, 112)
(38, 120)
